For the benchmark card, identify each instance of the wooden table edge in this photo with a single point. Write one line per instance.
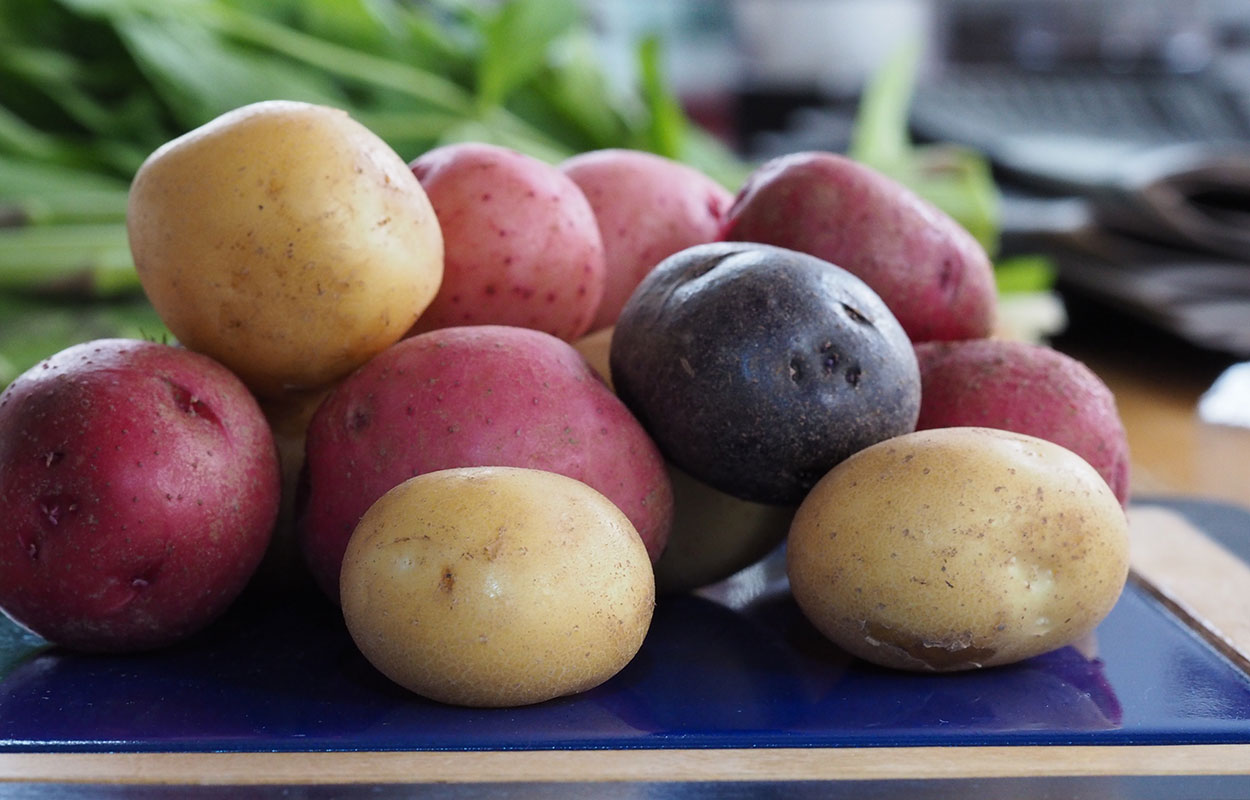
(668, 765)
(1193, 576)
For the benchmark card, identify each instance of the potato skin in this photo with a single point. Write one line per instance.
(495, 586)
(284, 240)
(474, 395)
(648, 207)
(1026, 388)
(139, 484)
(756, 368)
(934, 276)
(958, 548)
(523, 247)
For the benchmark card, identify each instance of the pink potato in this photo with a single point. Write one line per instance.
(522, 247)
(648, 207)
(139, 485)
(1025, 388)
(472, 396)
(934, 276)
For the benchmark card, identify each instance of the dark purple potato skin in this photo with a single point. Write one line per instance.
(757, 369)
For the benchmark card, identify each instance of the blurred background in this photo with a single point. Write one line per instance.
(1116, 130)
(1098, 148)
(757, 69)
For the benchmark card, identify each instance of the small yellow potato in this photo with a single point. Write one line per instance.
(714, 535)
(595, 348)
(285, 240)
(288, 417)
(958, 548)
(496, 586)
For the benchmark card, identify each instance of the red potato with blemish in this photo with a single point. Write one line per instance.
(471, 396)
(932, 274)
(648, 207)
(1025, 388)
(522, 246)
(139, 486)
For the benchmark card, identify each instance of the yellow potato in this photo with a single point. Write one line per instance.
(285, 240)
(496, 586)
(595, 348)
(714, 535)
(288, 418)
(958, 548)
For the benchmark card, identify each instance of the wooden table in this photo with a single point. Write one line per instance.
(1174, 452)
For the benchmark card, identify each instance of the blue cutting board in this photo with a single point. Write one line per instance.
(735, 666)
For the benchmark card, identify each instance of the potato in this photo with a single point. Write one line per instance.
(958, 548)
(934, 276)
(288, 417)
(1026, 388)
(714, 535)
(757, 368)
(475, 395)
(496, 586)
(286, 241)
(139, 485)
(523, 247)
(596, 348)
(648, 207)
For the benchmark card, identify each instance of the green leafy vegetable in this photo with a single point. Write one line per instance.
(31, 191)
(1024, 273)
(517, 40)
(666, 126)
(222, 76)
(37, 326)
(880, 136)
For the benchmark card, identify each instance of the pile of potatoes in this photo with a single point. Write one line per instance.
(513, 402)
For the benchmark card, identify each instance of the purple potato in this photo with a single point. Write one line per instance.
(757, 369)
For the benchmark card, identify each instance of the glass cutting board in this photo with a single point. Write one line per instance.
(732, 666)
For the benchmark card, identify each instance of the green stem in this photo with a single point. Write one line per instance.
(524, 137)
(19, 137)
(39, 192)
(83, 258)
(390, 125)
(312, 50)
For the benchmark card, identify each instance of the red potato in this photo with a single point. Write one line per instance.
(1025, 388)
(648, 207)
(932, 274)
(139, 485)
(472, 396)
(522, 247)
